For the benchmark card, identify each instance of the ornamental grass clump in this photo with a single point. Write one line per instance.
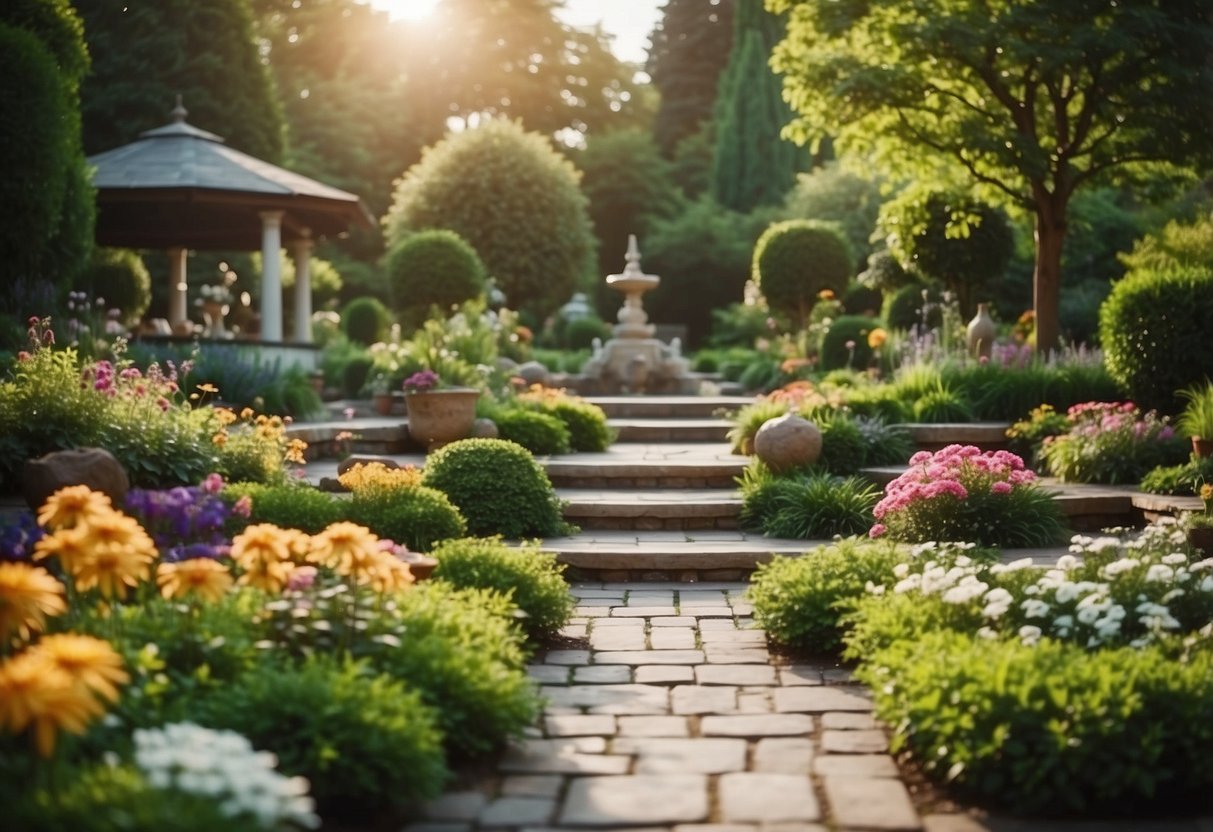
(1112, 443)
(963, 494)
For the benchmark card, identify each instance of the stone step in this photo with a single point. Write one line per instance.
(670, 429)
(670, 509)
(662, 407)
(989, 436)
(646, 466)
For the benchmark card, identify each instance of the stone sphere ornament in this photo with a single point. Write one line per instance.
(786, 442)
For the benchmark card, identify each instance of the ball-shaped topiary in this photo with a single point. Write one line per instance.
(796, 260)
(418, 517)
(539, 433)
(118, 276)
(498, 487)
(365, 320)
(511, 196)
(434, 267)
(884, 272)
(903, 309)
(862, 300)
(845, 343)
(1154, 328)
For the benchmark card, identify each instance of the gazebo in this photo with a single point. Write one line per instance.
(179, 188)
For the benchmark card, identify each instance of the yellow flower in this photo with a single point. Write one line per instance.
(877, 337)
(219, 439)
(72, 505)
(246, 414)
(826, 294)
(263, 551)
(208, 579)
(294, 451)
(90, 661)
(347, 548)
(225, 416)
(116, 529)
(71, 546)
(299, 546)
(390, 574)
(112, 569)
(34, 691)
(372, 475)
(28, 594)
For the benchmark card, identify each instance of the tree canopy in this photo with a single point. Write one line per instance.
(1031, 99)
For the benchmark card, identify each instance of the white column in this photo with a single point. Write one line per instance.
(271, 275)
(178, 312)
(301, 252)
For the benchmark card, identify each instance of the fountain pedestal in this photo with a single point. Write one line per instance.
(633, 361)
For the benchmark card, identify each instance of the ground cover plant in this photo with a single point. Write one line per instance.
(1111, 442)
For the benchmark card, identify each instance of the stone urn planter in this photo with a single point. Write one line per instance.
(438, 417)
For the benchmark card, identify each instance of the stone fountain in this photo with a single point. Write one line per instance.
(634, 361)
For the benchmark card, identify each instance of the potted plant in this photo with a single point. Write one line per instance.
(438, 415)
(1197, 418)
(1200, 526)
(381, 395)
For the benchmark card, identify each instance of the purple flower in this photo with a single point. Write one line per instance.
(421, 381)
(17, 539)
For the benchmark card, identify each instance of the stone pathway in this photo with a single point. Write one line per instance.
(678, 718)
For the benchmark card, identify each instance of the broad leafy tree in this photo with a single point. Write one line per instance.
(145, 54)
(753, 165)
(687, 52)
(1033, 99)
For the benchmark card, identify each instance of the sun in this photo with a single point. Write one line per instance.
(406, 9)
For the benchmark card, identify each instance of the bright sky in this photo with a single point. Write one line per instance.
(630, 21)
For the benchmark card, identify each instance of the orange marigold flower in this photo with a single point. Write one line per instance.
(72, 505)
(877, 337)
(294, 451)
(826, 294)
(90, 661)
(263, 551)
(225, 416)
(35, 692)
(117, 529)
(28, 594)
(112, 569)
(391, 574)
(203, 577)
(347, 548)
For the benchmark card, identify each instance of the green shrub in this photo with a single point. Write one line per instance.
(748, 419)
(118, 276)
(843, 450)
(1179, 480)
(903, 309)
(942, 404)
(498, 487)
(860, 300)
(418, 517)
(291, 506)
(849, 329)
(539, 433)
(1196, 420)
(433, 267)
(1154, 332)
(531, 578)
(354, 375)
(461, 651)
(1111, 443)
(586, 422)
(364, 741)
(796, 260)
(884, 274)
(762, 373)
(514, 199)
(364, 320)
(1049, 728)
(805, 504)
(800, 602)
(884, 443)
(579, 333)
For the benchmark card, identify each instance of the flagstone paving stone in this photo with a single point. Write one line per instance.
(636, 799)
(675, 755)
(602, 674)
(870, 803)
(767, 798)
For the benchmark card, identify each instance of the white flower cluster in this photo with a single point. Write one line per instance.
(223, 766)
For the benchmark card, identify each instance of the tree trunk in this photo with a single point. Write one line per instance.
(1046, 277)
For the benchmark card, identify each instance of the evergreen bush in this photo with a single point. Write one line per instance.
(849, 329)
(903, 308)
(796, 260)
(539, 433)
(364, 320)
(433, 267)
(119, 276)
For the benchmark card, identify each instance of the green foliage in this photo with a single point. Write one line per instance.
(586, 422)
(348, 730)
(942, 405)
(119, 276)
(417, 517)
(805, 504)
(885, 443)
(1197, 416)
(532, 579)
(946, 236)
(364, 320)
(433, 267)
(843, 449)
(748, 419)
(884, 273)
(800, 601)
(703, 258)
(852, 330)
(688, 50)
(861, 300)
(461, 651)
(498, 487)
(539, 433)
(1177, 245)
(796, 260)
(834, 194)
(1050, 728)
(144, 56)
(1179, 480)
(579, 333)
(291, 506)
(1027, 436)
(514, 199)
(629, 186)
(903, 309)
(1006, 393)
(753, 164)
(1111, 443)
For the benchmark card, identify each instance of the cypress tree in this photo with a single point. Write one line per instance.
(753, 166)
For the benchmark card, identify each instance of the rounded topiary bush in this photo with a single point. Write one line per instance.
(119, 276)
(1154, 328)
(903, 308)
(354, 375)
(797, 259)
(862, 300)
(579, 333)
(849, 330)
(433, 267)
(539, 433)
(531, 577)
(418, 516)
(498, 487)
(587, 424)
(364, 320)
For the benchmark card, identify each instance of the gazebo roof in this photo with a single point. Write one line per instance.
(179, 186)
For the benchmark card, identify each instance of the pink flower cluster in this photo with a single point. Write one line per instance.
(952, 474)
(1092, 419)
